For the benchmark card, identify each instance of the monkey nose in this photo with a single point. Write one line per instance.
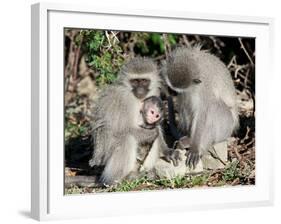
(153, 117)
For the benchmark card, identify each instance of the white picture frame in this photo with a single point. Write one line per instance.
(48, 200)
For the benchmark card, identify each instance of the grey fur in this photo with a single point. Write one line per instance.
(135, 66)
(116, 131)
(207, 110)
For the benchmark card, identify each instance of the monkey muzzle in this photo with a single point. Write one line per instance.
(152, 116)
(140, 92)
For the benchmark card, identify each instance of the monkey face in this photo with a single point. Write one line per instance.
(152, 110)
(182, 71)
(140, 87)
(182, 77)
(179, 80)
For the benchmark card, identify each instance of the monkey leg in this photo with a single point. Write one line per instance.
(100, 142)
(202, 136)
(153, 155)
(121, 162)
(223, 127)
(167, 154)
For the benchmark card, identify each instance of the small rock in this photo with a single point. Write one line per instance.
(216, 157)
(168, 170)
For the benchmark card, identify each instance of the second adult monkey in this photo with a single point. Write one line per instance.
(206, 97)
(117, 132)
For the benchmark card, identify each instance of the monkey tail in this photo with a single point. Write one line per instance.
(81, 181)
(172, 122)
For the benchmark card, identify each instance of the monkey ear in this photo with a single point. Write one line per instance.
(196, 81)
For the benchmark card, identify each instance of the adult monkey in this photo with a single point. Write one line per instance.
(116, 130)
(206, 97)
(151, 115)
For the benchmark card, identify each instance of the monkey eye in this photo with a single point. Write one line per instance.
(197, 81)
(134, 82)
(145, 82)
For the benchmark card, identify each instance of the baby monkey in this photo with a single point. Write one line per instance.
(151, 115)
(151, 112)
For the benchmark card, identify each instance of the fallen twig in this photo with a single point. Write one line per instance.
(245, 51)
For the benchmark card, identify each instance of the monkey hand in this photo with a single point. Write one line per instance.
(173, 155)
(183, 143)
(192, 158)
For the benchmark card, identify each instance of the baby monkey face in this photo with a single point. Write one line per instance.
(152, 110)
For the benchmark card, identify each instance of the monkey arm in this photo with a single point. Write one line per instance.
(210, 126)
(201, 136)
(166, 153)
